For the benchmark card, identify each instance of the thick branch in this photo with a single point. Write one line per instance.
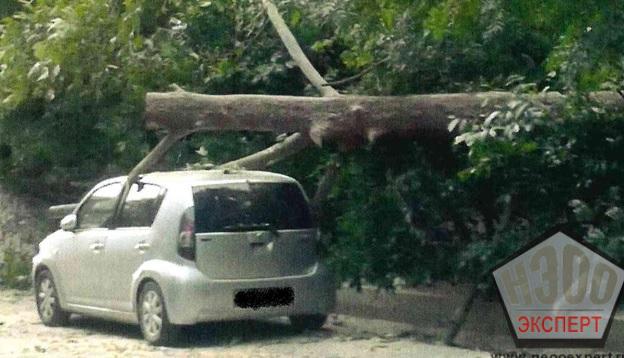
(156, 154)
(149, 161)
(296, 52)
(295, 142)
(275, 153)
(346, 120)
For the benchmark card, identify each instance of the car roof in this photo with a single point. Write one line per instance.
(207, 177)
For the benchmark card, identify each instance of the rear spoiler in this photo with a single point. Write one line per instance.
(57, 212)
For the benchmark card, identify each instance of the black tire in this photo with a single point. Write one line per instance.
(151, 309)
(46, 298)
(312, 322)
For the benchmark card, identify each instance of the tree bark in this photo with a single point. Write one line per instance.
(346, 120)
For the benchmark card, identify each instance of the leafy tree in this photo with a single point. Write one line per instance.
(8, 7)
(74, 74)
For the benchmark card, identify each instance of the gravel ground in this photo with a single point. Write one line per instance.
(23, 335)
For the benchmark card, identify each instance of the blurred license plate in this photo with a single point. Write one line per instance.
(256, 298)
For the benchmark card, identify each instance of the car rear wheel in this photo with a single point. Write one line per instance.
(46, 297)
(308, 322)
(155, 325)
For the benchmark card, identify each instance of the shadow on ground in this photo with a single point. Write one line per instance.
(207, 334)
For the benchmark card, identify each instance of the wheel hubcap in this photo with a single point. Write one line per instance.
(151, 314)
(47, 299)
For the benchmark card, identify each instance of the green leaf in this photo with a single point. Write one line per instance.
(295, 18)
(387, 17)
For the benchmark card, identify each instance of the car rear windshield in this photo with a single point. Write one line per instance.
(250, 206)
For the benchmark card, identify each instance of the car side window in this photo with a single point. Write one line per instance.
(99, 208)
(141, 206)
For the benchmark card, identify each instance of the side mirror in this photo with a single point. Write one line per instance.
(69, 222)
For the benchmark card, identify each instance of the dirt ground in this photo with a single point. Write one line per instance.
(23, 335)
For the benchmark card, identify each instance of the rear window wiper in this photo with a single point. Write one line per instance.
(249, 227)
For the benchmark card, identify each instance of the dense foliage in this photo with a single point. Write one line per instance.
(74, 73)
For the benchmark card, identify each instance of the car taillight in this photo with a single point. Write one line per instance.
(186, 236)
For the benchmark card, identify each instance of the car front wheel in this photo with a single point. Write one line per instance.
(155, 325)
(46, 297)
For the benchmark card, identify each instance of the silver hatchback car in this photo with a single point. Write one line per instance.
(186, 247)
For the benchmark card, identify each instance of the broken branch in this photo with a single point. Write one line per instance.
(296, 52)
(275, 153)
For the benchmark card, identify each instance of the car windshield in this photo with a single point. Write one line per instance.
(250, 206)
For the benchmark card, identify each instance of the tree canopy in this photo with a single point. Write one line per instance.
(74, 74)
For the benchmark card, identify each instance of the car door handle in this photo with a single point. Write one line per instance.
(96, 246)
(142, 246)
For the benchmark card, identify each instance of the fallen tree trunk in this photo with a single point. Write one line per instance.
(345, 120)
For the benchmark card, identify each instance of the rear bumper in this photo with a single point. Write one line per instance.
(193, 298)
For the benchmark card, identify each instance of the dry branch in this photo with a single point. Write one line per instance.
(359, 75)
(317, 81)
(277, 152)
(153, 157)
(295, 142)
(156, 154)
(295, 51)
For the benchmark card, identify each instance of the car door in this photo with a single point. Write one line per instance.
(82, 264)
(129, 243)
